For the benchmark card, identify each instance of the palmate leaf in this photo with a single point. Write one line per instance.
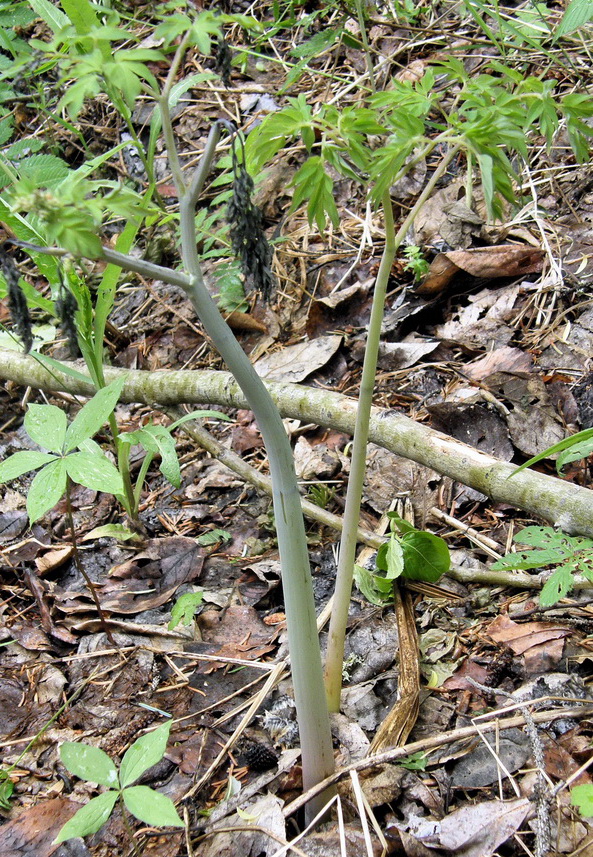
(47, 488)
(556, 586)
(22, 462)
(95, 472)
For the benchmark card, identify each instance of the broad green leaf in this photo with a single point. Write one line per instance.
(46, 489)
(184, 609)
(46, 425)
(94, 414)
(112, 531)
(52, 16)
(312, 183)
(556, 586)
(169, 465)
(575, 453)
(89, 763)
(212, 537)
(22, 462)
(144, 753)
(577, 13)
(582, 797)
(390, 558)
(95, 472)
(89, 818)
(151, 807)
(426, 556)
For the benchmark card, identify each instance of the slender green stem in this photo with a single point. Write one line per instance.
(365, 43)
(345, 573)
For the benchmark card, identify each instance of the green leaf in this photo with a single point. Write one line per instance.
(52, 16)
(82, 15)
(95, 472)
(89, 818)
(43, 170)
(556, 586)
(312, 183)
(89, 763)
(46, 425)
(22, 462)
(582, 796)
(567, 443)
(577, 13)
(377, 590)
(144, 753)
(426, 556)
(198, 415)
(184, 609)
(46, 489)
(169, 465)
(112, 531)
(94, 414)
(213, 537)
(575, 453)
(151, 807)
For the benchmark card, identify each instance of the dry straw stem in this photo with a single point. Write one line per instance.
(568, 506)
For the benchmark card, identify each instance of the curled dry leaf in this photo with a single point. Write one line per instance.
(506, 260)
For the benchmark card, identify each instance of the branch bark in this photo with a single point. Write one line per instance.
(566, 505)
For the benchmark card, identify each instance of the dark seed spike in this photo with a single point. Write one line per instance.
(17, 302)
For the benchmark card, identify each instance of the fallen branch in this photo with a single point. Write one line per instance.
(568, 506)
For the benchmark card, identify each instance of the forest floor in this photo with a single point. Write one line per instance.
(493, 358)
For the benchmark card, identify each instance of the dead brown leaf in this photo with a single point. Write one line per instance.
(505, 260)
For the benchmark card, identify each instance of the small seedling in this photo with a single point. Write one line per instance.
(184, 609)
(549, 547)
(92, 764)
(411, 553)
(415, 262)
(582, 797)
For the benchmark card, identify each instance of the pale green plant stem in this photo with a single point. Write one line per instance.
(345, 573)
(307, 674)
(365, 43)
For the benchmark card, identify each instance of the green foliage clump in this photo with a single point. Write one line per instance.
(410, 553)
(549, 547)
(92, 764)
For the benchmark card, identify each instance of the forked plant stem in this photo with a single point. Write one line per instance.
(303, 641)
